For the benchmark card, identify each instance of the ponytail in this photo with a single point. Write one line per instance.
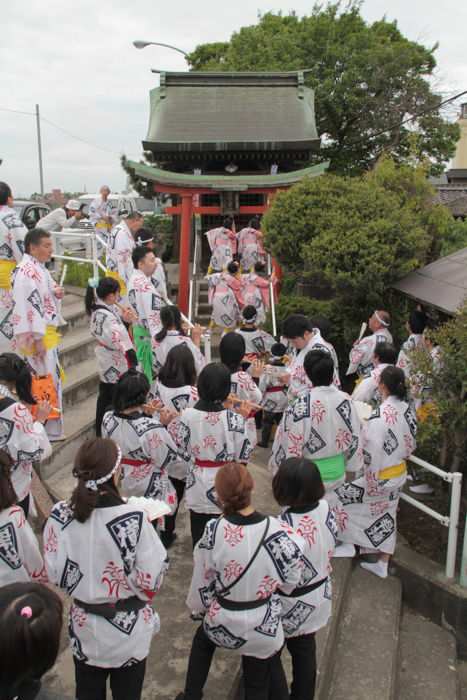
(8, 495)
(171, 318)
(16, 371)
(99, 290)
(393, 379)
(95, 459)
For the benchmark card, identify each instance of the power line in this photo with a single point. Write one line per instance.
(16, 111)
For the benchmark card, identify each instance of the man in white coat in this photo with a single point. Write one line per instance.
(102, 214)
(361, 355)
(120, 247)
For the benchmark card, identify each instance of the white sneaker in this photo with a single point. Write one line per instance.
(379, 568)
(345, 550)
(422, 489)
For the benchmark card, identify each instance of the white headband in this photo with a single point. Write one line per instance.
(93, 484)
(383, 323)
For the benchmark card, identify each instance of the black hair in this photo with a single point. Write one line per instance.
(171, 319)
(418, 321)
(29, 643)
(106, 286)
(34, 237)
(139, 253)
(214, 382)
(249, 312)
(322, 324)
(278, 350)
(295, 326)
(131, 390)
(179, 367)
(255, 223)
(393, 379)
(297, 483)
(233, 267)
(228, 222)
(95, 459)
(5, 193)
(134, 215)
(319, 367)
(232, 350)
(386, 353)
(144, 236)
(15, 370)
(260, 267)
(8, 495)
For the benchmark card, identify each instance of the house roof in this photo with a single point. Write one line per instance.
(441, 284)
(218, 112)
(234, 183)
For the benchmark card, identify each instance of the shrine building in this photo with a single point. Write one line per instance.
(223, 144)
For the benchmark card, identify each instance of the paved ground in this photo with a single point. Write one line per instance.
(168, 659)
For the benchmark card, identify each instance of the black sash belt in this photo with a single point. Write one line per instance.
(228, 604)
(303, 590)
(109, 610)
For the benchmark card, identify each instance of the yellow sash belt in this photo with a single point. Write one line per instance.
(103, 224)
(392, 472)
(116, 276)
(6, 268)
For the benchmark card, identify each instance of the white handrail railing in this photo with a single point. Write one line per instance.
(272, 300)
(450, 521)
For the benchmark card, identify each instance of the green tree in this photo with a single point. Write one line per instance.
(367, 78)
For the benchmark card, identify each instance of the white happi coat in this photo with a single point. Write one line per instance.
(98, 209)
(404, 361)
(243, 386)
(250, 248)
(121, 244)
(257, 342)
(20, 556)
(273, 390)
(220, 556)
(24, 439)
(35, 308)
(223, 244)
(367, 389)
(361, 355)
(12, 233)
(307, 612)
(146, 302)
(114, 555)
(209, 433)
(172, 339)
(224, 293)
(113, 342)
(368, 506)
(321, 422)
(148, 451)
(256, 293)
(298, 377)
(158, 279)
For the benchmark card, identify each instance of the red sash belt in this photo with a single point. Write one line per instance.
(135, 462)
(272, 389)
(209, 464)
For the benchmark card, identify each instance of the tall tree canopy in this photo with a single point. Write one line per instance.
(367, 78)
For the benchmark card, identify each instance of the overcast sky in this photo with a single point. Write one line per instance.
(77, 61)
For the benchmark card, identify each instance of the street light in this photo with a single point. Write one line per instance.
(138, 44)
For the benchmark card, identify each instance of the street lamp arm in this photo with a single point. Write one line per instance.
(138, 44)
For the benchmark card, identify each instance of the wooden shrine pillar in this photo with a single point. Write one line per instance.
(185, 248)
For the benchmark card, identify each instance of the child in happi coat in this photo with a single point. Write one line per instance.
(20, 556)
(240, 564)
(208, 436)
(223, 244)
(25, 438)
(225, 296)
(256, 290)
(274, 391)
(31, 618)
(115, 353)
(298, 488)
(147, 448)
(369, 504)
(175, 388)
(243, 387)
(250, 245)
(105, 554)
(257, 342)
(173, 334)
(367, 389)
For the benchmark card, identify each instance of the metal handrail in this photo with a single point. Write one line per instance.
(450, 521)
(272, 301)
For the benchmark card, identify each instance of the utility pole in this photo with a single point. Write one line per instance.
(39, 148)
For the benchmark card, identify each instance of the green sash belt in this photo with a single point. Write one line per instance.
(331, 468)
(143, 346)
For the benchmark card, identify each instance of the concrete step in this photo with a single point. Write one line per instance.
(82, 381)
(76, 346)
(75, 316)
(427, 666)
(366, 650)
(61, 484)
(204, 309)
(79, 425)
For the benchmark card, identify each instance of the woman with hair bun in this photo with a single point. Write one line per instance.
(114, 350)
(31, 617)
(24, 437)
(370, 503)
(105, 554)
(20, 558)
(173, 334)
(241, 562)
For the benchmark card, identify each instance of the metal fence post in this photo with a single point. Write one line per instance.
(207, 346)
(463, 578)
(453, 524)
(95, 265)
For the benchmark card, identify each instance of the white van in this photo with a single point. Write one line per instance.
(122, 204)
